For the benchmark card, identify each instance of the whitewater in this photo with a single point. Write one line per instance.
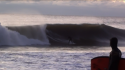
(31, 58)
(37, 42)
(63, 60)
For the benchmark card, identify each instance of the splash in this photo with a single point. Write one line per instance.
(13, 38)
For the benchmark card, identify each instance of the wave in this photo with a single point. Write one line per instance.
(84, 34)
(18, 36)
(61, 34)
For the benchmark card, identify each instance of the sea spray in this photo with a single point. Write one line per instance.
(12, 38)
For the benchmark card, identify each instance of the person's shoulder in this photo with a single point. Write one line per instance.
(115, 53)
(119, 51)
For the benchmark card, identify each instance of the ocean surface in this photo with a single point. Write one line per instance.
(41, 42)
(22, 58)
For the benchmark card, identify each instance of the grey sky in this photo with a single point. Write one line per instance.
(74, 8)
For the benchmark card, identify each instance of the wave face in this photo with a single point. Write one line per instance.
(26, 35)
(60, 34)
(83, 34)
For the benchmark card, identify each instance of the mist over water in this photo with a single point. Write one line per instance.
(23, 20)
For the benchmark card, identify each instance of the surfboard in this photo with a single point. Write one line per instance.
(102, 62)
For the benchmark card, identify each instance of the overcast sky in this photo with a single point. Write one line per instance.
(74, 8)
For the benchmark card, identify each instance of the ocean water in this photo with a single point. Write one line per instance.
(50, 58)
(37, 42)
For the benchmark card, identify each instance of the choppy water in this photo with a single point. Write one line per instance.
(50, 59)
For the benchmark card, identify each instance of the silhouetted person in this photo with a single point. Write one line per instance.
(115, 54)
(70, 39)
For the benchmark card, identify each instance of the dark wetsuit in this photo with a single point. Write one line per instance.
(70, 39)
(115, 55)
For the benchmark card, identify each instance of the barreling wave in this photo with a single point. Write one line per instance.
(83, 34)
(60, 34)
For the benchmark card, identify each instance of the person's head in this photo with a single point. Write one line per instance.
(113, 42)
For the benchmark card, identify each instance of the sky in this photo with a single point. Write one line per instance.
(64, 8)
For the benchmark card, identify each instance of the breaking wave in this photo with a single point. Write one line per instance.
(16, 36)
(60, 34)
(83, 34)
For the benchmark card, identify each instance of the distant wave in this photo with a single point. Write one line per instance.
(58, 34)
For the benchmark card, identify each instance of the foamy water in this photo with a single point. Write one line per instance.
(50, 58)
(9, 37)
